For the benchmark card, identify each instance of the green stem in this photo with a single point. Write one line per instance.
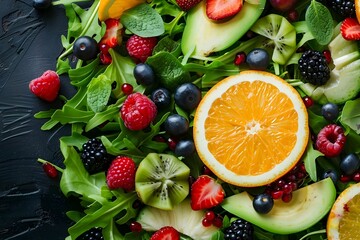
(40, 160)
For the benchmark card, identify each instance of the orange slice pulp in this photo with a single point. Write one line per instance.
(115, 8)
(251, 128)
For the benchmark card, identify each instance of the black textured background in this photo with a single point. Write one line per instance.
(31, 204)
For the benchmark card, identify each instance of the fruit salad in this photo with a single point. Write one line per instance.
(208, 119)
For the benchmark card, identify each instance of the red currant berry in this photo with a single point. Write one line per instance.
(277, 194)
(127, 88)
(105, 58)
(293, 15)
(356, 177)
(159, 138)
(135, 227)
(287, 197)
(210, 215)
(206, 170)
(240, 58)
(345, 178)
(206, 222)
(50, 170)
(327, 55)
(104, 48)
(218, 222)
(308, 101)
(172, 143)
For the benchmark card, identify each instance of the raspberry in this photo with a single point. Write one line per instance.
(121, 173)
(331, 140)
(46, 86)
(140, 48)
(138, 111)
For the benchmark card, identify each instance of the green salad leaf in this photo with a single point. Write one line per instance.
(98, 93)
(143, 20)
(320, 22)
(351, 115)
(309, 159)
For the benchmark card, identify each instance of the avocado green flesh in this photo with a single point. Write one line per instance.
(202, 36)
(308, 205)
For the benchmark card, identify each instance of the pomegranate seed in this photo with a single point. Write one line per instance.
(308, 101)
(240, 58)
(105, 58)
(302, 168)
(206, 170)
(287, 197)
(210, 215)
(191, 180)
(277, 194)
(218, 222)
(327, 55)
(127, 88)
(206, 222)
(172, 143)
(159, 138)
(344, 178)
(135, 227)
(293, 186)
(356, 177)
(291, 178)
(50, 170)
(287, 189)
(104, 48)
(136, 204)
(281, 183)
(293, 15)
(300, 175)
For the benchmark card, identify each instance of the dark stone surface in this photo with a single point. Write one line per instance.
(31, 204)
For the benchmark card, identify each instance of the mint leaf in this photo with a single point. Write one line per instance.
(351, 115)
(143, 20)
(98, 93)
(168, 69)
(167, 44)
(319, 22)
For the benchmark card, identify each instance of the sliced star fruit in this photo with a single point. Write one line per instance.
(161, 181)
(280, 34)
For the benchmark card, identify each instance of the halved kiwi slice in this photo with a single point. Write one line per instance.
(280, 34)
(161, 181)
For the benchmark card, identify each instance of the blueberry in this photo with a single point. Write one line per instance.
(350, 164)
(263, 203)
(144, 74)
(161, 97)
(41, 4)
(258, 59)
(176, 125)
(185, 148)
(330, 111)
(331, 174)
(85, 48)
(187, 96)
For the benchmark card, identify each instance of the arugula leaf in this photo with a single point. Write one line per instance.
(350, 115)
(81, 76)
(143, 20)
(76, 180)
(81, 22)
(98, 93)
(320, 22)
(309, 159)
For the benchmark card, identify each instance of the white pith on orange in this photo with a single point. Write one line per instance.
(344, 218)
(251, 128)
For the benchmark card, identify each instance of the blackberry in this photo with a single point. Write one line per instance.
(94, 156)
(94, 233)
(345, 8)
(239, 230)
(314, 68)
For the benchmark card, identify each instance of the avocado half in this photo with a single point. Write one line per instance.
(203, 36)
(308, 205)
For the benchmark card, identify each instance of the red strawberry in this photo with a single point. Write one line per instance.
(186, 5)
(47, 86)
(350, 29)
(222, 9)
(331, 140)
(112, 36)
(206, 193)
(140, 48)
(166, 233)
(121, 173)
(138, 111)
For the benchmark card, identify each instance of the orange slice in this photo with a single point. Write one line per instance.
(343, 221)
(251, 128)
(357, 9)
(115, 8)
